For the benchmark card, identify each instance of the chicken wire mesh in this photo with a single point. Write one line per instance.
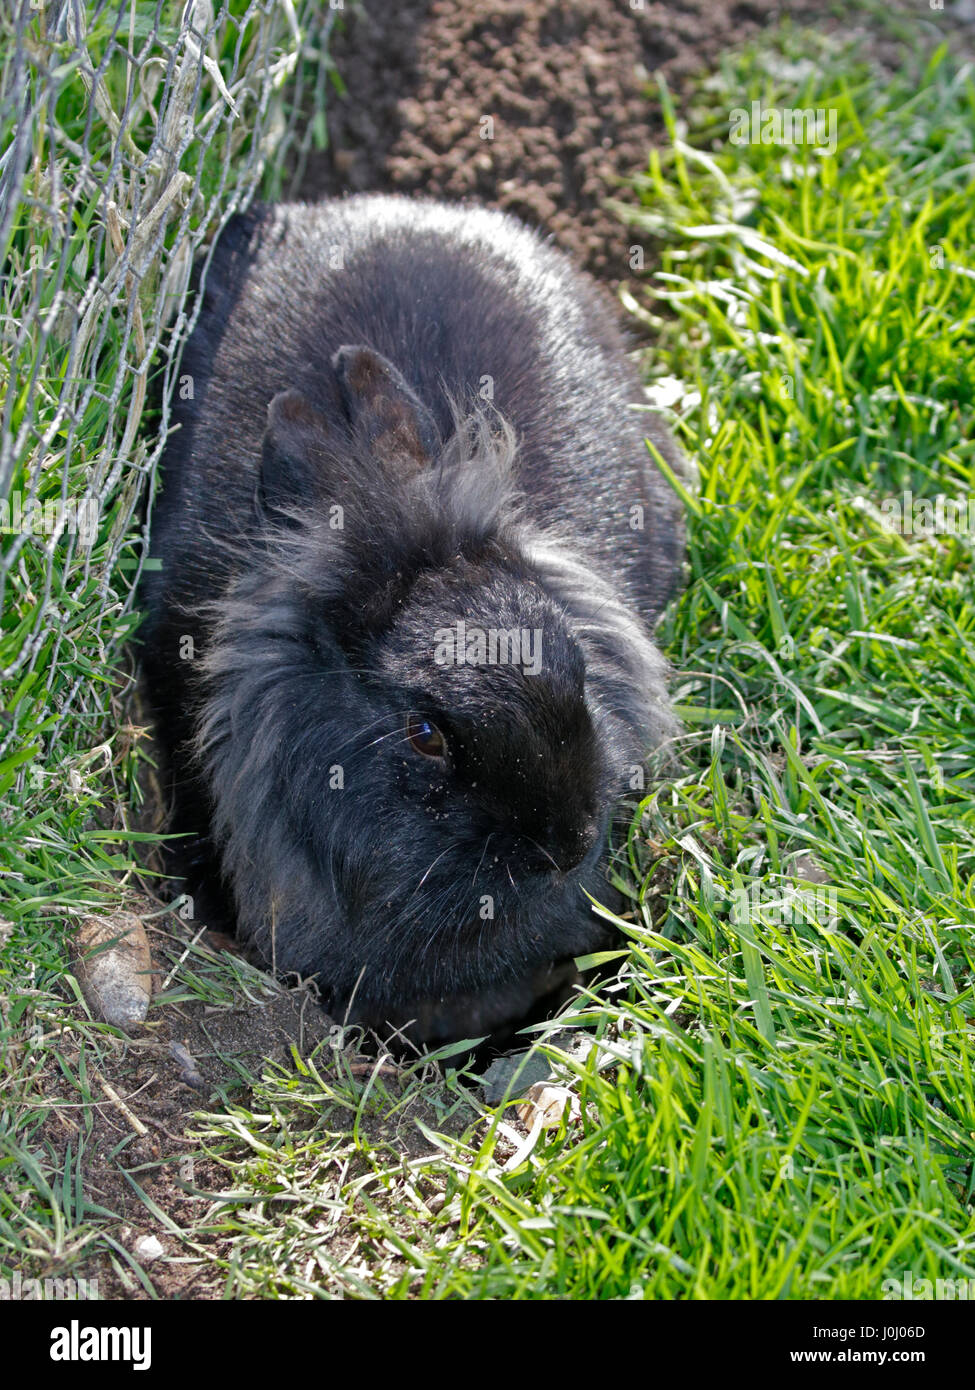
(130, 133)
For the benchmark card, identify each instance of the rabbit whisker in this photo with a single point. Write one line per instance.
(431, 867)
(544, 851)
(481, 860)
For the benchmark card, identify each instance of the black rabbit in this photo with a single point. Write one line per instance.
(412, 543)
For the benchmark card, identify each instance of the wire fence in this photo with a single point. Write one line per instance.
(131, 130)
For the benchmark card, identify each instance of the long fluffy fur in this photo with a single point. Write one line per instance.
(314, 643)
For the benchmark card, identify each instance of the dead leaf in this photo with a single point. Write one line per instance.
(545, 1104)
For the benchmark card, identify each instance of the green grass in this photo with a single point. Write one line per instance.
(777, 1101)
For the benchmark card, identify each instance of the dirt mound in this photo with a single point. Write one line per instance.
(534, 106)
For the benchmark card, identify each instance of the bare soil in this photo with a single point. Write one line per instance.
(540, 107)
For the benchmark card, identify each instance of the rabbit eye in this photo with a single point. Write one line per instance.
(425, 737)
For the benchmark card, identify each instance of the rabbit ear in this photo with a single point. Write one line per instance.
(296, 453)
(384, 410)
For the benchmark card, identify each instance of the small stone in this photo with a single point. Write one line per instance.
(115, 978)
(511, 1076)
(148, 1248)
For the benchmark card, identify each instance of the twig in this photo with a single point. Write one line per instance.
(121, 1106)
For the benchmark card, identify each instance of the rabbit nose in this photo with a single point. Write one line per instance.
(570, 844)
